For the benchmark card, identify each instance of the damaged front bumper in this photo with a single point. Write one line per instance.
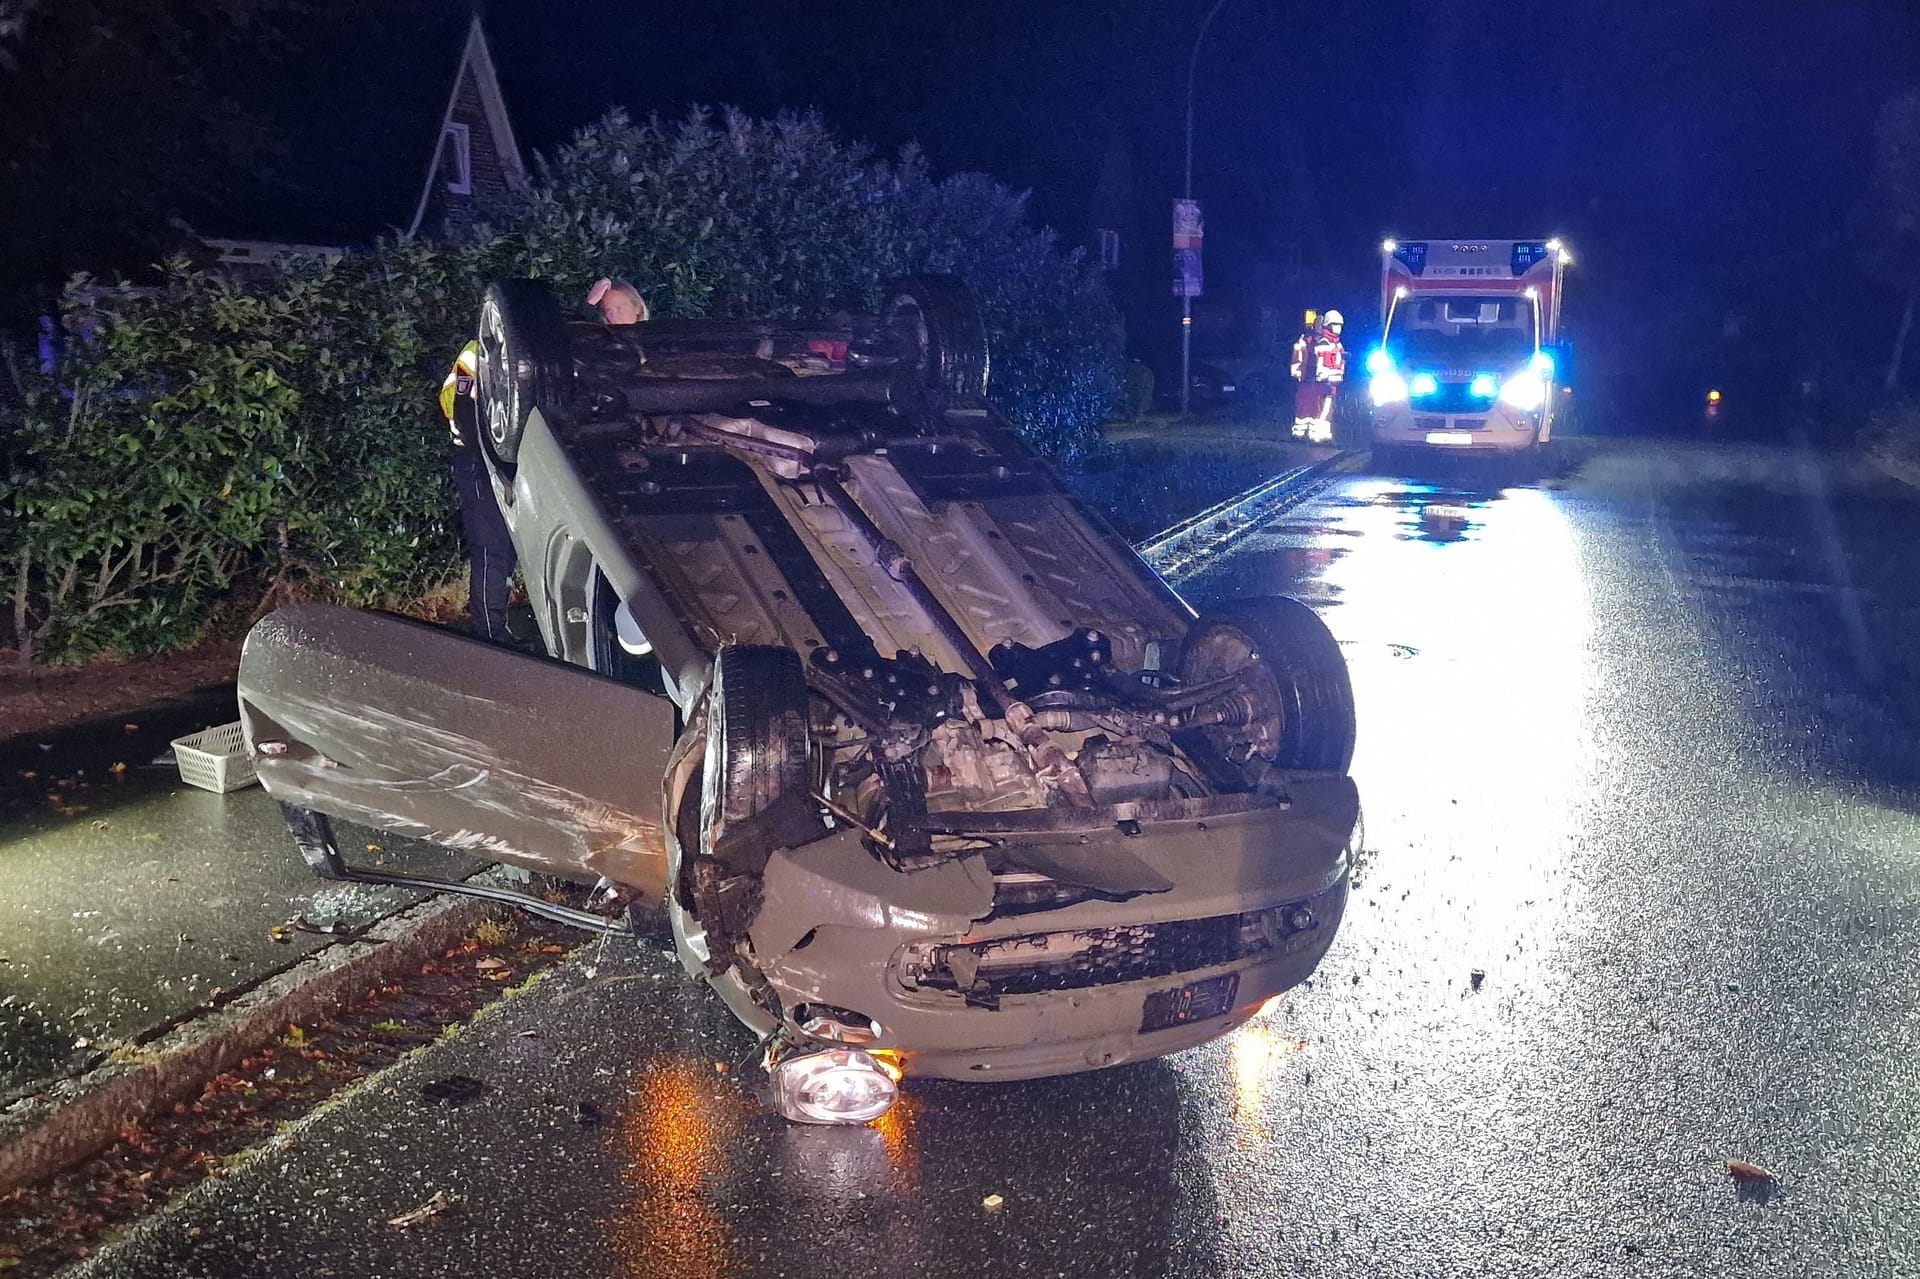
(958, 989)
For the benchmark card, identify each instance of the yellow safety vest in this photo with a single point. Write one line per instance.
(459, 382)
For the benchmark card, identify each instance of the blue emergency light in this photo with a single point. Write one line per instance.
(1527, 253)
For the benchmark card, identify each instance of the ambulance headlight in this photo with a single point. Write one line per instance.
(1423, 384)
(1378, 361)
(1526, 391)
(1484, 386)
(1387, 387)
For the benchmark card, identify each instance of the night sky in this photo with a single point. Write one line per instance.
(1701, 157)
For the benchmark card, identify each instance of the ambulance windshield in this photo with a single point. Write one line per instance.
(1462, 329)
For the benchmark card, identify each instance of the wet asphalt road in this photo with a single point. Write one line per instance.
(135, 900)
(1637, 745)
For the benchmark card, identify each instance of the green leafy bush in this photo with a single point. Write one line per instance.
(213, 445)
(725, 215)
(218, 446)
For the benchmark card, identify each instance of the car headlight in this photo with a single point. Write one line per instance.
(833, 1086)
(1387, 387)
(1484, 386)
(1525, 391)
(1423, 384)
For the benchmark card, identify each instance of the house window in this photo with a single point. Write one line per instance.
(456, 158)
(1109, 249)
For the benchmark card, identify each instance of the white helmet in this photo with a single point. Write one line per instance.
(1333, 319)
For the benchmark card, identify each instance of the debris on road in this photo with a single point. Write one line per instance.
(1477, 976)
(441, 1202)
(992, 1203)
(453, 1090)
(1741, 1170)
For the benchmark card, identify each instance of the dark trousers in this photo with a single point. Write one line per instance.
(489, 548)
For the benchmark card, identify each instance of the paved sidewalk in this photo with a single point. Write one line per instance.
(129, 900)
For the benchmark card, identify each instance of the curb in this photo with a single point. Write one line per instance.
(77, 1117)
(1196, 537)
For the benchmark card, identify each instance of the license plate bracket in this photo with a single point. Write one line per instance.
(1197, 1001)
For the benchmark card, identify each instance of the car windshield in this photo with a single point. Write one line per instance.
(1476, 330)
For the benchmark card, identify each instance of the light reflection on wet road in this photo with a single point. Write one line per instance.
(1637, 747)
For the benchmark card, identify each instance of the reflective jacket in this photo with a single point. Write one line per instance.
(456, 395)
(1329, 358)
(1302, 352)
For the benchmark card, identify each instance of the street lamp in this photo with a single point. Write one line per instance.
(1186, 301)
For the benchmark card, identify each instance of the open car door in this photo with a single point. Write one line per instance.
(410, 728)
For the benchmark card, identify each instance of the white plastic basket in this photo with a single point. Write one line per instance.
(215, 759)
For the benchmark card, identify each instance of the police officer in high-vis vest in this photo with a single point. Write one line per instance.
(489, 548)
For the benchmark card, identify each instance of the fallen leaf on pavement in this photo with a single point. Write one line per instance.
(453, 1090)
(1749, 1172)
(441, 1202)
(117, 769)
(131, 728)
(488, 965)
(280, 933)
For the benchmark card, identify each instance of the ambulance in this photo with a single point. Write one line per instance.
(1468, 339)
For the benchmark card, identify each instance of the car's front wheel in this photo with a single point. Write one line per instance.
(1291, 705)
(757, 791)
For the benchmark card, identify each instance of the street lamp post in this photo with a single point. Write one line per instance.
(1186, 301)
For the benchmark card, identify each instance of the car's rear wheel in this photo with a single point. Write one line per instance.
(525, 362)
(757, 783)
(938, 317)
(1292, 706)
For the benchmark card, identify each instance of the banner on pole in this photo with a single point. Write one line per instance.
(1188, 232)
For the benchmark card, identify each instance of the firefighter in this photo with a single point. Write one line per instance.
(1301, 371)
(1319, 367)
(490, 552)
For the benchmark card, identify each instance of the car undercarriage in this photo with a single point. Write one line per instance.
(930, 773)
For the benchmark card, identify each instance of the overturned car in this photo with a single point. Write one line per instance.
(929, 772)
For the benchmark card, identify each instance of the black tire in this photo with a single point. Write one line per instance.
(525, 362)
(938, 316)
(1301, 698)
(757, 783)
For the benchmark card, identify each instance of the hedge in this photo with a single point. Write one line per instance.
(214, 448)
